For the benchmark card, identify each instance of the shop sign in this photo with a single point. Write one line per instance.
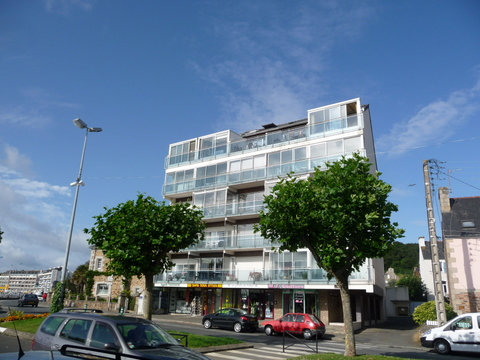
(285, 286)
(204, 285)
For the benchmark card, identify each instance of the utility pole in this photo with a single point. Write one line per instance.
(437, 276)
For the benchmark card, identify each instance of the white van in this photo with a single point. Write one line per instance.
(459, 334)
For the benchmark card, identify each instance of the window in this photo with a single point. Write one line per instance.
(352, 144)
(51, 324)
(98, 264)
(76, 330)
(103, 334)
(102, 289)
(335, 147)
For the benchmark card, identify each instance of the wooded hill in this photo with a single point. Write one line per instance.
(403, 258)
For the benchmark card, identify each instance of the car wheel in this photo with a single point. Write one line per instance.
(268, 330)
(441, 346)
(207, 324)
(237, 327)
(307, 334)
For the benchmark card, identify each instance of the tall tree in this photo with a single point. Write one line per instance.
(341, 215)
(1, 233)
(79, 278)
(138, 236)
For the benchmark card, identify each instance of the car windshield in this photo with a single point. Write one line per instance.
(145, 336)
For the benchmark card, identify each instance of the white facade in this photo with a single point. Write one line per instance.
(426, 270)
(227, 175)
(29, 281)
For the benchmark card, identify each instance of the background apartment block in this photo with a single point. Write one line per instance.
(29, 281)
(227, 174)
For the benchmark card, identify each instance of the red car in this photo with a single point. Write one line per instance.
(296, 323)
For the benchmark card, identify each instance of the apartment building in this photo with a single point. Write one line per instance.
(227, 174)
(26, 281)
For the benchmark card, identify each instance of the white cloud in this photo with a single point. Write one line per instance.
(434, 123)
(274, 71)
(34, 219)
(64, 7)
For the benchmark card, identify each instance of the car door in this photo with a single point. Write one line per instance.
(74, 332)
(287, 323)
(219, 318)
(104, 337)
(299, 323)
(462, 334)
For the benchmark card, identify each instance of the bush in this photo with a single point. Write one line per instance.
(428, 311)
(17, 313)
(57, 299)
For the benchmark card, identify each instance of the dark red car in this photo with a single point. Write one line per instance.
(296, 323)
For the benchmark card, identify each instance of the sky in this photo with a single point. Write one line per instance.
(151, 73)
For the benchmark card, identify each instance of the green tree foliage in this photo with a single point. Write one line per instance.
(403, 258)
(341, 215)
(78, 279)
(1, 233)
(428, 311)
(57, 299)
(417, 291)
(138, 235)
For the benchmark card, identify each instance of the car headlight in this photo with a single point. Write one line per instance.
(427, 332)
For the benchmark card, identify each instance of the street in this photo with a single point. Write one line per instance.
(388, 342)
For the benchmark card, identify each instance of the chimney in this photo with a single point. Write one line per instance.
(444, 195)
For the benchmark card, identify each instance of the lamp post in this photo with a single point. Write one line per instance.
(77, 183)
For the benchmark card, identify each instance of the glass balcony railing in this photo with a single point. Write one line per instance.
(299, 275)
(240, 177)
(242, 208)
(275, 138)
(232, 242)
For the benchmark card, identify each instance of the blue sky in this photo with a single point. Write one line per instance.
(151, 73)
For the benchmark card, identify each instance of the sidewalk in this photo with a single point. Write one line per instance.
(402, 330)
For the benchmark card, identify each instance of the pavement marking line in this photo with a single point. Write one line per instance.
(262, 356)
(222, 356)
(271, 351)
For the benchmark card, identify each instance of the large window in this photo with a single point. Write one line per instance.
(247, 169)
(212, 202)
(283, 162)
(182, 152)
(211, 175)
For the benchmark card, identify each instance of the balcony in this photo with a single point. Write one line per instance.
(240, 177)
(281, 137)
(270, 276)
(251, 241)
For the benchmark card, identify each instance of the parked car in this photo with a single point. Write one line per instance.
(114, 333)
(459, 334)
(28, 299)
(307, 325)
(230, 318)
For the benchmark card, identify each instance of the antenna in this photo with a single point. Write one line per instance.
(20, 350)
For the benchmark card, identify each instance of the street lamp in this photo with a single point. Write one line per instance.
(77, 183)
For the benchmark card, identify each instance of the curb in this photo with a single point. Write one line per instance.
(20, 334)
(209, 349)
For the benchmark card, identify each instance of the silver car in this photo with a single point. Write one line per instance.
(118, 334)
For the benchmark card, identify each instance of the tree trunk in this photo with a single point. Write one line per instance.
(148, 298)
(347, 316)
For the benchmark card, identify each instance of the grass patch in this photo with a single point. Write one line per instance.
(29, 325)
(195, 341)
(341, 357)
